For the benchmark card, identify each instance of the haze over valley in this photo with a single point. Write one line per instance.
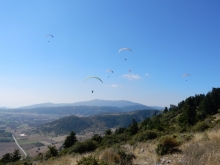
(44, 124)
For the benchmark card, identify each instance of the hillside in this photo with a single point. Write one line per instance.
(187, 133)
(77, 124)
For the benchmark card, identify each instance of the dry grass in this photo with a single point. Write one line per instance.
(65, 160)
(203, 149)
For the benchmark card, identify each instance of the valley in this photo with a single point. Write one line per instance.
(35, 129)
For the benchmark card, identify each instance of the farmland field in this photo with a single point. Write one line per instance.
(22, 123)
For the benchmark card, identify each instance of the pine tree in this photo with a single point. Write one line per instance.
(7, 158)
(188, 117)
(16, 155)
(108, 132)
(165, 110)
(133, 129)
(70, 140)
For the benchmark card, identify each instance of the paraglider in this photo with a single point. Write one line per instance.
(109, 71)
(93, 77)
(49, 35)
(186, 75)
(124, 49)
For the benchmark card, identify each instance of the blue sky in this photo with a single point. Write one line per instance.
(167, 38)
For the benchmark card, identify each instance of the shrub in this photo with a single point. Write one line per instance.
(52, 152)
(90, 161)
(182, 138)
(111, 156)
(147, 135)
(82, 147)
(200, 126)
(97, 138)
(117, 157)
(126, 158)
(167, 145)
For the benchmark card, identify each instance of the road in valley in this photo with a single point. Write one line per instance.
(25, 154)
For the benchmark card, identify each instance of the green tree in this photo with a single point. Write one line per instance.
(52, 152)
(188, 117)
(82, 147)
(133, 129)
(97, 138)
(165, 110)
(7, 158)
(70, 140)
(120, 130)
(108, 132)
(16, 155)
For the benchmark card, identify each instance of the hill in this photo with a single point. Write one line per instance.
(187, 133)
(99, 122)
(71, 110)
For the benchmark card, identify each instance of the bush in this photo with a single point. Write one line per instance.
(111, 156)
(182, 138)
(200, 127)
(147, 135)
(90, 161)
(117, 157)
(167, 145)
(52, 152)
(126, 158)
(82, 147)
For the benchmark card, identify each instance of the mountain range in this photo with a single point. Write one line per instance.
(85, 108)
(95, 102)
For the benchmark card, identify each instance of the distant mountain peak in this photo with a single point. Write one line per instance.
(95, 102)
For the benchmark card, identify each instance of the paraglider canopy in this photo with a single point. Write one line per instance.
(124, 49)
(49, 35)
(109, 71)
(93, 77)
(186, 75)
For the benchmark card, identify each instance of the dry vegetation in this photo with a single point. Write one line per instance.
(202, 149)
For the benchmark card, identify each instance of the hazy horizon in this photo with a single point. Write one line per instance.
(73, 103)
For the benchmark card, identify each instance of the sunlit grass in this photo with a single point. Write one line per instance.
(202, 149)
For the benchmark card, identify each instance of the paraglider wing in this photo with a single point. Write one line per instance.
(109, 71)
(184, 75)
(49, 35)
(124, 49)
(93, 77)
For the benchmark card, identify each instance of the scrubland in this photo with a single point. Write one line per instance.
(202, 149)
